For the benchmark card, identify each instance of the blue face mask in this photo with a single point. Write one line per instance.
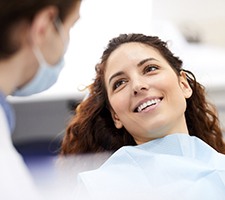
(46, 75)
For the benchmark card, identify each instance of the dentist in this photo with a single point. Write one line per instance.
(33, 40)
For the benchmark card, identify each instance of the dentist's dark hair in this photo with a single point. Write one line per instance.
(92, 128)
(14, 12)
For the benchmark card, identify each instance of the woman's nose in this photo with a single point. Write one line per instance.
(140, 86)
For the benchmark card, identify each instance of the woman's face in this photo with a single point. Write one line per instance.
(146, 95)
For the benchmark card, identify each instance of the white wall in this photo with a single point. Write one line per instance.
(204, 17)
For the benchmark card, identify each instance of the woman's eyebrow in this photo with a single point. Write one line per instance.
(145, 60)
(115, 75)
(139, 64)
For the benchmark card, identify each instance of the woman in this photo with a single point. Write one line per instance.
(143, 99)
(33, 40)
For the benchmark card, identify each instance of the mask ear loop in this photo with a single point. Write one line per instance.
(39, 55)
(59, 27)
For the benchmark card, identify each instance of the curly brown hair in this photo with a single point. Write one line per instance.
(92, 128)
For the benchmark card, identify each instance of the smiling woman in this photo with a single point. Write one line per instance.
(125, 79)
(143, 99)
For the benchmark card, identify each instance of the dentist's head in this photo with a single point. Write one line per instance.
(33, 41)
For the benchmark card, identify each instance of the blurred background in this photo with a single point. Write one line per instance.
(195, 31)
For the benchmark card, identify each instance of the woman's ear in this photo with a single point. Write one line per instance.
(117, 122)
(186, 88)
(42, 23)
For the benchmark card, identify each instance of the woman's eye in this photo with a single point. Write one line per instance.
(150, 68)
(118, 83)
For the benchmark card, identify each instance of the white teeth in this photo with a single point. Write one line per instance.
(148, 103)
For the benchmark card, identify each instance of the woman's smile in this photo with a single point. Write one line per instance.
(147, 104)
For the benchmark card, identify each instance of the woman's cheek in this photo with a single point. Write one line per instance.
(118, 102)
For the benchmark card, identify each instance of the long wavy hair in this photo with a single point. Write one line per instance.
(92, 128)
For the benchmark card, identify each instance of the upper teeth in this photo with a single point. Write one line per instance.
(148, 103)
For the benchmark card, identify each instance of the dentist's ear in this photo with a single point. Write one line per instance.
(42, 22)
(117, 122)
(186, 88)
